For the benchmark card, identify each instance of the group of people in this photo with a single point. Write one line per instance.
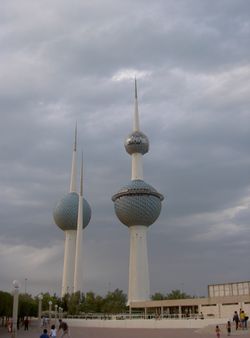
(240, 319)
(240, 322)
(63, 331)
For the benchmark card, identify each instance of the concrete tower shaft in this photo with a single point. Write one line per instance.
(78, 253)
(137, 205)
(66, 217)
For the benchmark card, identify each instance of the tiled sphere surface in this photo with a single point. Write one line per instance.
(66, 212)
(137, 203)
(136, 142)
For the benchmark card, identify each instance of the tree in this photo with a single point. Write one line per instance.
(158, 296)
(74, 303)
(115, 302)
(6, 303)
(177, 294)
(27, 305)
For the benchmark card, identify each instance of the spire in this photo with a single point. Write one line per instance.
(72, 187)
(81, 184)
(136, 113)
(75, 144)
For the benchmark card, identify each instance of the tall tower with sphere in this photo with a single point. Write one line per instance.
(66, 218)
(137, 205)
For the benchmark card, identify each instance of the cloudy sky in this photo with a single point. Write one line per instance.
(64, 61)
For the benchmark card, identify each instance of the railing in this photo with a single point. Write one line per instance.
(123, 316)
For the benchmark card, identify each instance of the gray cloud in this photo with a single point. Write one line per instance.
(77, 62)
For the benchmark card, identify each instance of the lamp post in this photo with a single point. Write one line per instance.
(40, 298)
(56, 306)
(16, 285)
(50, 304)
(25, 285)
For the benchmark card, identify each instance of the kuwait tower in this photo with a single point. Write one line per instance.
(72, 217)
(137, 205)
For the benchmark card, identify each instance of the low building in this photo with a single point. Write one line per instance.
(222, 301)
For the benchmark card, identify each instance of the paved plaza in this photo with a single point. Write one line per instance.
(81, 332)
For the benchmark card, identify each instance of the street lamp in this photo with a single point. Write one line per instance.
(25, 285)
(16, 286)
(50, 304)
(56, 306)
(40, 298)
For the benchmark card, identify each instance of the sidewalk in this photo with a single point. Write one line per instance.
(84, 332)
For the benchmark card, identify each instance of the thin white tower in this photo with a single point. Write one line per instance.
(78, 253)
(137, 205)
(66, 217)
(70, 235)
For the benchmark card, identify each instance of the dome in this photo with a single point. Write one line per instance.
(137, 203)
(136, 142)
(66, 212)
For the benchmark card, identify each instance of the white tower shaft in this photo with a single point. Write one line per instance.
(70, 235)
(78, 252)
(73, 176)
(138, 289)
(69, 262)
(137, 165)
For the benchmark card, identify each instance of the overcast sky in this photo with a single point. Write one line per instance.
(64, 61)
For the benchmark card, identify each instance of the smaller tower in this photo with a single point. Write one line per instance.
(78, 259)
(66, 218)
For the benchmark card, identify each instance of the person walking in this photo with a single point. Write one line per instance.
(236, 319)
(26, 324)
(65, 330)
(53, 331)
(242, 319)
(217, 331)
(229, 328)
(245, 321)
(44, 334)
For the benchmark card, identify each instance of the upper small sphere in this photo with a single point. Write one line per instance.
(138, 203)
(66, 212)
(136, 142)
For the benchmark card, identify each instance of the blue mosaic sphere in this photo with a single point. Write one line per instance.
(66, 212)
(136, 142)
(137, 203)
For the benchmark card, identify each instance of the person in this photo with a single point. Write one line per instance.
(245, 322)
(217, 331)
(53, 331)
(44, 334)
(26, 324)
(229, 328)
(65, 330)
(60, 325)
(242, 319)
(236, 319)
(9, 325)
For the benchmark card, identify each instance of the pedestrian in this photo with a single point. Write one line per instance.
(53, 331)
(245, 322)
(242, 319)
(44, 334)
(217, 331)
(236, 319)
(229, 328)
(26, 324)
(65, 330)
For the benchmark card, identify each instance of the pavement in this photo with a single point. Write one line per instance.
(82, 332)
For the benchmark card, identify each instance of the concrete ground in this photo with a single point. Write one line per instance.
(81, 332)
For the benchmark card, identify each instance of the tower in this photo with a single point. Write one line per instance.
(137, 205)
(78, 258)
(66, 218)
